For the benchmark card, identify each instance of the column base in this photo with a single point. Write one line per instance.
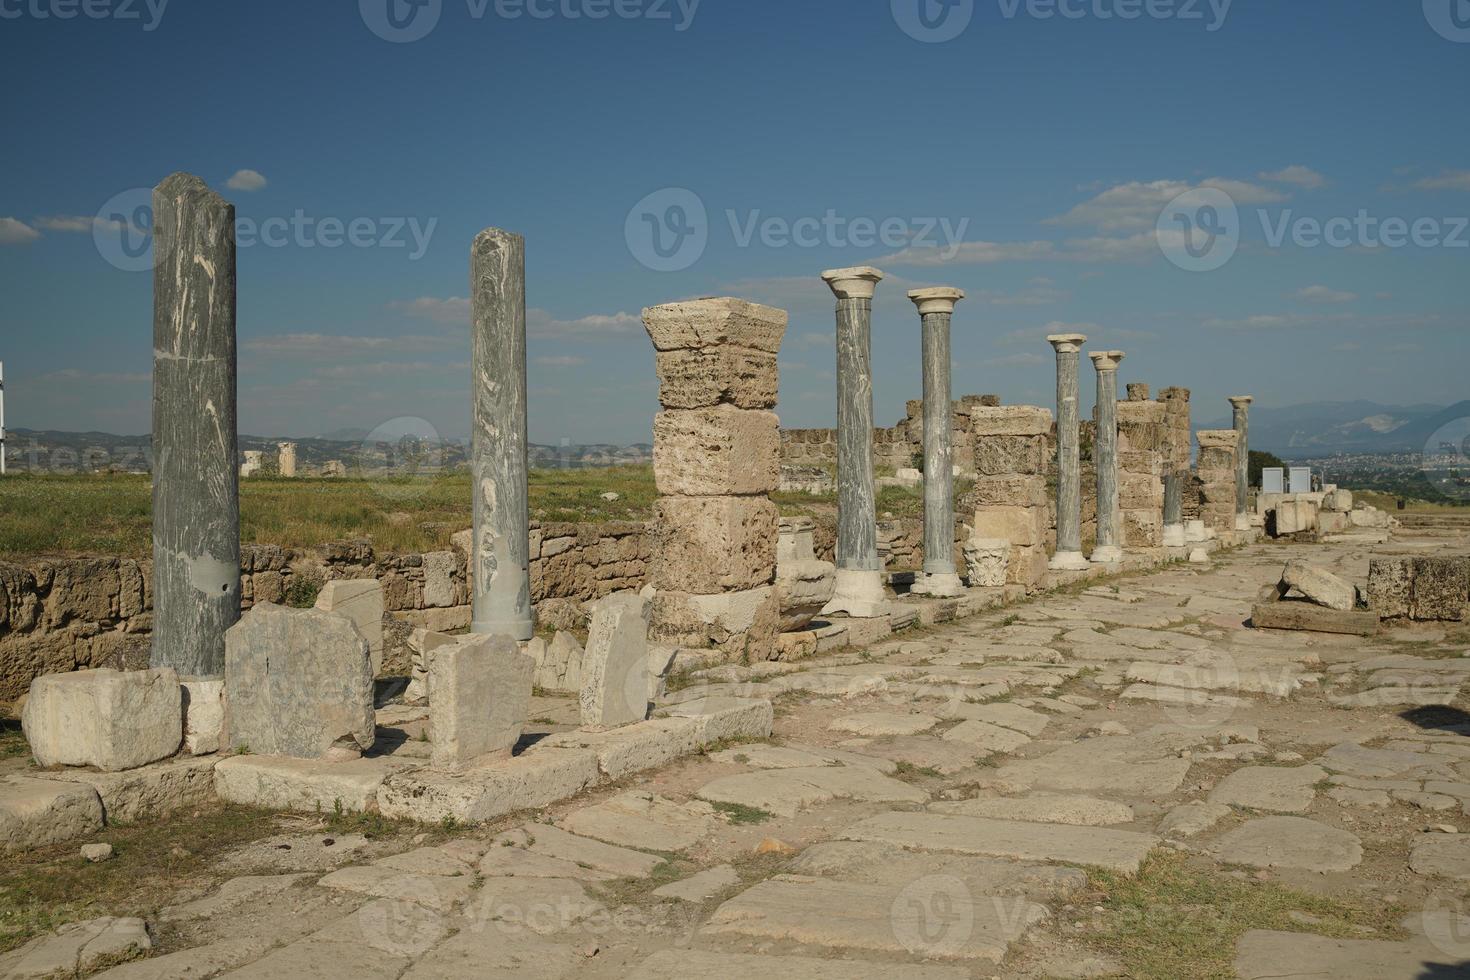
(859, 594)
(1068, 561)
(1174, 536)
(1195, 532)
(1107, 555)
(940, 585)
(519, 630)
(1199, 556)
(1242, 522)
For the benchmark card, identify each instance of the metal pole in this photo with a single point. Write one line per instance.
(2, 418)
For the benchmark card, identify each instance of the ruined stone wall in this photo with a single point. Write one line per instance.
(1215, 477)
(895, 448)
(1010, 495)
(1141, 470)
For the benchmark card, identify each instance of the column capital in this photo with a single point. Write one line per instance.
(1242, 401)
(937, 299)
(1067, 343)
(1106, 360)
(855, 283)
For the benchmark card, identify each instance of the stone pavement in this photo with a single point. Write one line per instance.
(946, 805)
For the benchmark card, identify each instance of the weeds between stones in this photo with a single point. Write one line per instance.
(740, 814)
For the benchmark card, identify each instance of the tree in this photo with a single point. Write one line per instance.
(1259, 461)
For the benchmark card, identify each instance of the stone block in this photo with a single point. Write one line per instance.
(1218, 439)
(615, 663)
(632, 749)
(439, 591)
(712, 452)
(708, 545)
(805, 588)
(1319, 586)
(560, 668)
(1295, 516)
(303, 785)
(742, 624)
(1439, 590)
(1006, 455)
(715, 323)
(204, 714)
(538, 778)
(297, 683)
(719, 375)
(1391, 587)
(1143, 528)
(796, 539)
(422, 645)
(1009, 491)
(479, 697)
(987, 561)
(1021, 526)
(361, 601)
(150, 792)
(724, 719)
(41, 812)
(1009, 420)
(110, 719)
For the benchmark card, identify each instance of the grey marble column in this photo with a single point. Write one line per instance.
(1105, 455)
(1068, 556)
(859, 590)
(1241, 406)
(500, 566)
(196, 495)
(1173, 509)
(936, 308)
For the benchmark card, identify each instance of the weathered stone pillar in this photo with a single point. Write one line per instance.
(859, 574)
(1216, 470)
(500, 567)
(1140, 469)
(1241, 406)
(936, 307)
(1068, 555)
(1105, 454)
(1010, 487)
(286, 459)
(196, 489)
(1173, 509)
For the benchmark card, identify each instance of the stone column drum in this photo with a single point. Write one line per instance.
(1068, 555)
(1109, 548)
(859, 573)
(1010, 486)
(196, 490)
(936, 308)
(500, 566)
(1241, 411)
(1141, 469)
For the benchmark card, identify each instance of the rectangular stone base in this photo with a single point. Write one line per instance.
(153, 791)
(1311, 618)
(39, 812)
(303, 785)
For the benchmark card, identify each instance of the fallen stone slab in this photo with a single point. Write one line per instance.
(1222, 674)
(1319, 586)
(1076, 811)
(76, 948)
(114, 720)
(701, 887)
(529, 781)
(879, 723)
(1130, 766)
(147, 793)
(836, 914)
(691, 964)
(643, 820)
(204, 714)
(1271, 788)
(1118, 850)
(1306, 617)
(882, 863)
(1289, 842)
(724, 719)
(41, 812)
(1263, 955)
(1441, 855)
(360, 601)
(615, 681)
(785, 792)
(302, 785)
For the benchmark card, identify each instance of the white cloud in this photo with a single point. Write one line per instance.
(540, 323)
(1324, 294)
(1038, 335)
(559, 360)
(1033, 296)
(15, 232)
(969, 253)
(455, 309)
(1136, 206)
(1296, 174)
(1019, 359)
(73, 223)
(76, 376)
(246, 180)
(309, 346)
(1449, 180)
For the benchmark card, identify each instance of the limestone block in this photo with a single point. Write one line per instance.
(1294, 516)
(711, 376)
(796, 539)
(204, 714)
(615, 663)
(714, 323)
(709, 545)
(1005, 455)
(1009, 491)
(361, 601)
(40, 812)
(149, 792)
(742, 624)
(716, 451)
(805, 588)
(422, 644)
(987, 561)
(303, 785)
(1143, 528)
(1140, 491)
(439, 569)
(1021, 526)
(297, 683)
(1338, 501)
(1319, 585)
(1439, 589)
(535, 779)
(1218, 439)
(1390, 587)
(560, 669)
(479, 698)
(110, 719)
(1009, 420)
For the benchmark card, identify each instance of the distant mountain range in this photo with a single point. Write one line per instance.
(1330, 428)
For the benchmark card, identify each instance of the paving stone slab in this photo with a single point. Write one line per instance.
(1119, 850)
(543, 905)
(553, 842)
(881, 863)
(795, 756)
(480, 951)
(921, 752)
(232, 894)
(1262, 955)
(40, 812)
(188, 964)
(431, 861)
(1271, 788)
(436, 892)
(880, 723)
(690, 964)
(881, 918)
(643, 820)
(1192, 698)
(702, 886)
(1006, 715)
(1357, 760)
(77, 947)
(377, 942)
(1077, 811)
(508, 860)
(1441, 855)
(986, 737)
(1129, 766)
(1290, 842)
(1192, 818)
(785, 792)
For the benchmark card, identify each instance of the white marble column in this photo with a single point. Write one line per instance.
(1241, 408)
(500, 566)
(1068, 555)
(936, 308)
(1105, 456)
(859, 573)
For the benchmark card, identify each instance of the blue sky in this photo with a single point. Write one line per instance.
(1053, 142)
